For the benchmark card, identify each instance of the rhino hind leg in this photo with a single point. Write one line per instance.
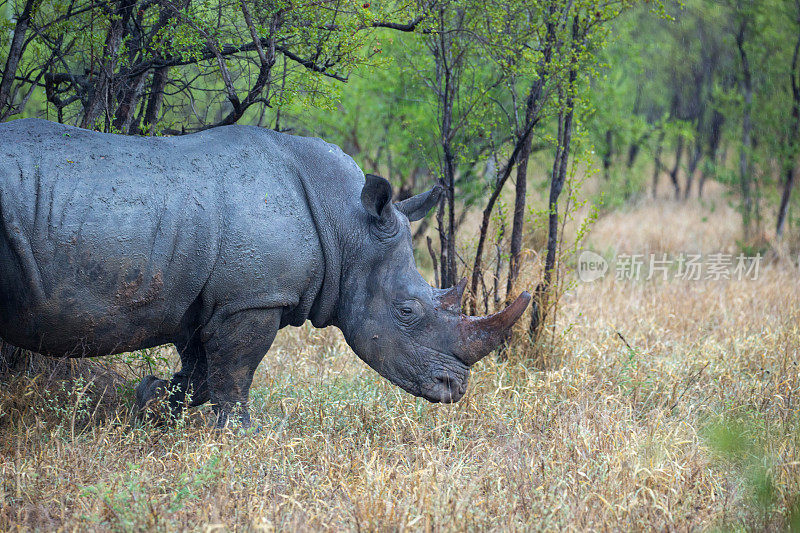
(234, 351)
(189, 383)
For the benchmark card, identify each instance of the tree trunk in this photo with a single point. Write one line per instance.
(123, 115)
(673, 174)
(786, 195)
(155, 100)
(451, 229)
(518, 224)
(714, 136)
(447, 228)
(744, 154)
(607, 155)
(477, 272)
(12, 62)
(558, 177)
(445, 68)
(533, 109)
(791, 165)
(633, 153)
(102, 92)
(442, 231)
(657, 162)
(691, 169)
(519, 217)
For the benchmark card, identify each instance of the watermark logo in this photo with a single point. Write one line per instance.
(688, 267)
(591, 266)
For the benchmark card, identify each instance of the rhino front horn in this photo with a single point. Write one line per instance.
(481, 335)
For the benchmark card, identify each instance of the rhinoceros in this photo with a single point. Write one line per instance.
(212, 242)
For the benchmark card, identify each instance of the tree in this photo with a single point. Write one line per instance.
(793, 134)
(724, 72)
(742, 32)
(129, 65)
(9, 104)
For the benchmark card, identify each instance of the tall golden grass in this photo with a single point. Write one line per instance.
(674, 405)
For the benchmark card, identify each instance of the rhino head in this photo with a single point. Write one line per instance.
(414, 335)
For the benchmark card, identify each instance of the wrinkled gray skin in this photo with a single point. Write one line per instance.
(213, 242)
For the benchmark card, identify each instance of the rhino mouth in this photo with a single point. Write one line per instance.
(446, 380)
(445, 387)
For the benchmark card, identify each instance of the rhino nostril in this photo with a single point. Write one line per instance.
(443, 379)
(446, 387)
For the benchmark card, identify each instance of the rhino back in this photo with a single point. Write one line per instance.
(112, 243)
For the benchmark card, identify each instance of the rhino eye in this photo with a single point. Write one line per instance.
(408, 312)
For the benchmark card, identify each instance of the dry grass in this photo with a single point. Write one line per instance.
(669, 227)
(693, 425)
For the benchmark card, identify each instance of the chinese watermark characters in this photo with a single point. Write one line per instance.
(689, 267)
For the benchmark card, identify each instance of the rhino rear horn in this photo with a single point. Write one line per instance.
(451, 300)
(416, 207)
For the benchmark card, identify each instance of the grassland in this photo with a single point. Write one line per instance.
(673, 405)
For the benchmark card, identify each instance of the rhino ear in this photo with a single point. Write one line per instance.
(376, 197)
(416, 207)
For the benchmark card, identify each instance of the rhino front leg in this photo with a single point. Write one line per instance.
(234, 352)
(191, 381)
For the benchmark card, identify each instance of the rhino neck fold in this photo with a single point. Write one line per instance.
(323, 309)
